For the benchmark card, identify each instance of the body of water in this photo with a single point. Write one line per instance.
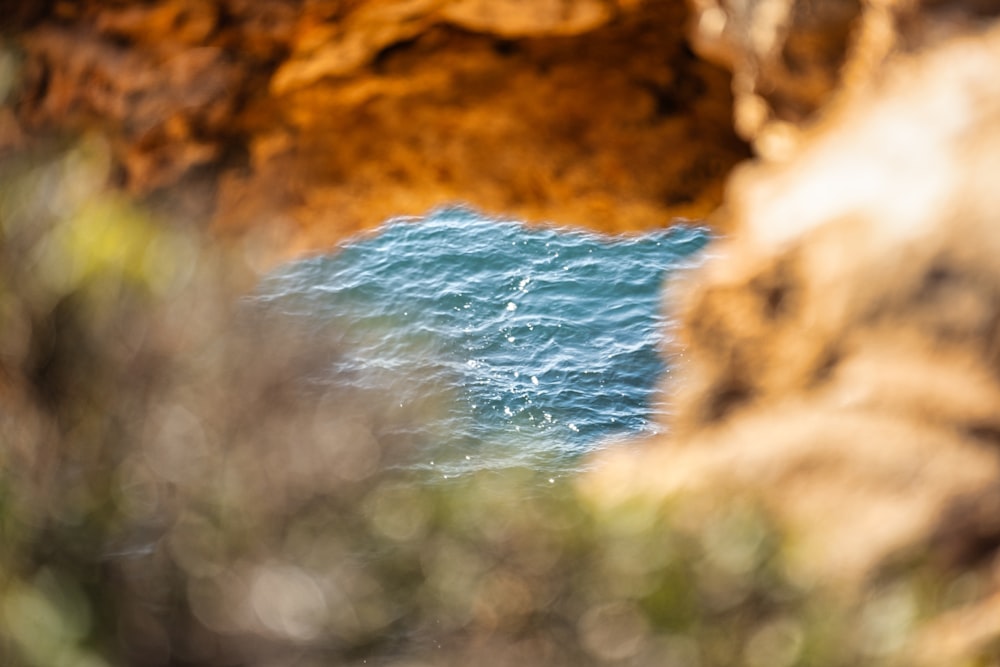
(521, 345)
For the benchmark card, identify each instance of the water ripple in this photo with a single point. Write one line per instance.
(541, 341)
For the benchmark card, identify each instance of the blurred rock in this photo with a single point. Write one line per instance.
(788, 57)
(836, 358)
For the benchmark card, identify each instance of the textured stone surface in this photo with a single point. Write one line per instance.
(788, 57)
(785, 55)
(327, 117)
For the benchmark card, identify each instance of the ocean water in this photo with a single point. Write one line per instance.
(516, 345)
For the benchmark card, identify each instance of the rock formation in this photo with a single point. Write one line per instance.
(325, 117)
(836, 357)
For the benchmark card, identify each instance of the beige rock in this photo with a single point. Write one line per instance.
(788, 57)
(785, 56)
(836, 359)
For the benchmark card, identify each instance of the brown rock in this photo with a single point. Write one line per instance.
(326, 118)
(623, 133)
(524, 18)
(167, 107)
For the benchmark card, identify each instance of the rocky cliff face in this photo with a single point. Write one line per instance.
(327, 117)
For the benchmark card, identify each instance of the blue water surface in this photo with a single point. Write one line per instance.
(537, 344)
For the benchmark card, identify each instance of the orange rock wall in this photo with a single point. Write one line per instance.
(329, 117)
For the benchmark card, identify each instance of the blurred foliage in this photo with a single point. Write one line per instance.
(173, 493)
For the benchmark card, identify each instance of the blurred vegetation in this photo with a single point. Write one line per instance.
(174, 492)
